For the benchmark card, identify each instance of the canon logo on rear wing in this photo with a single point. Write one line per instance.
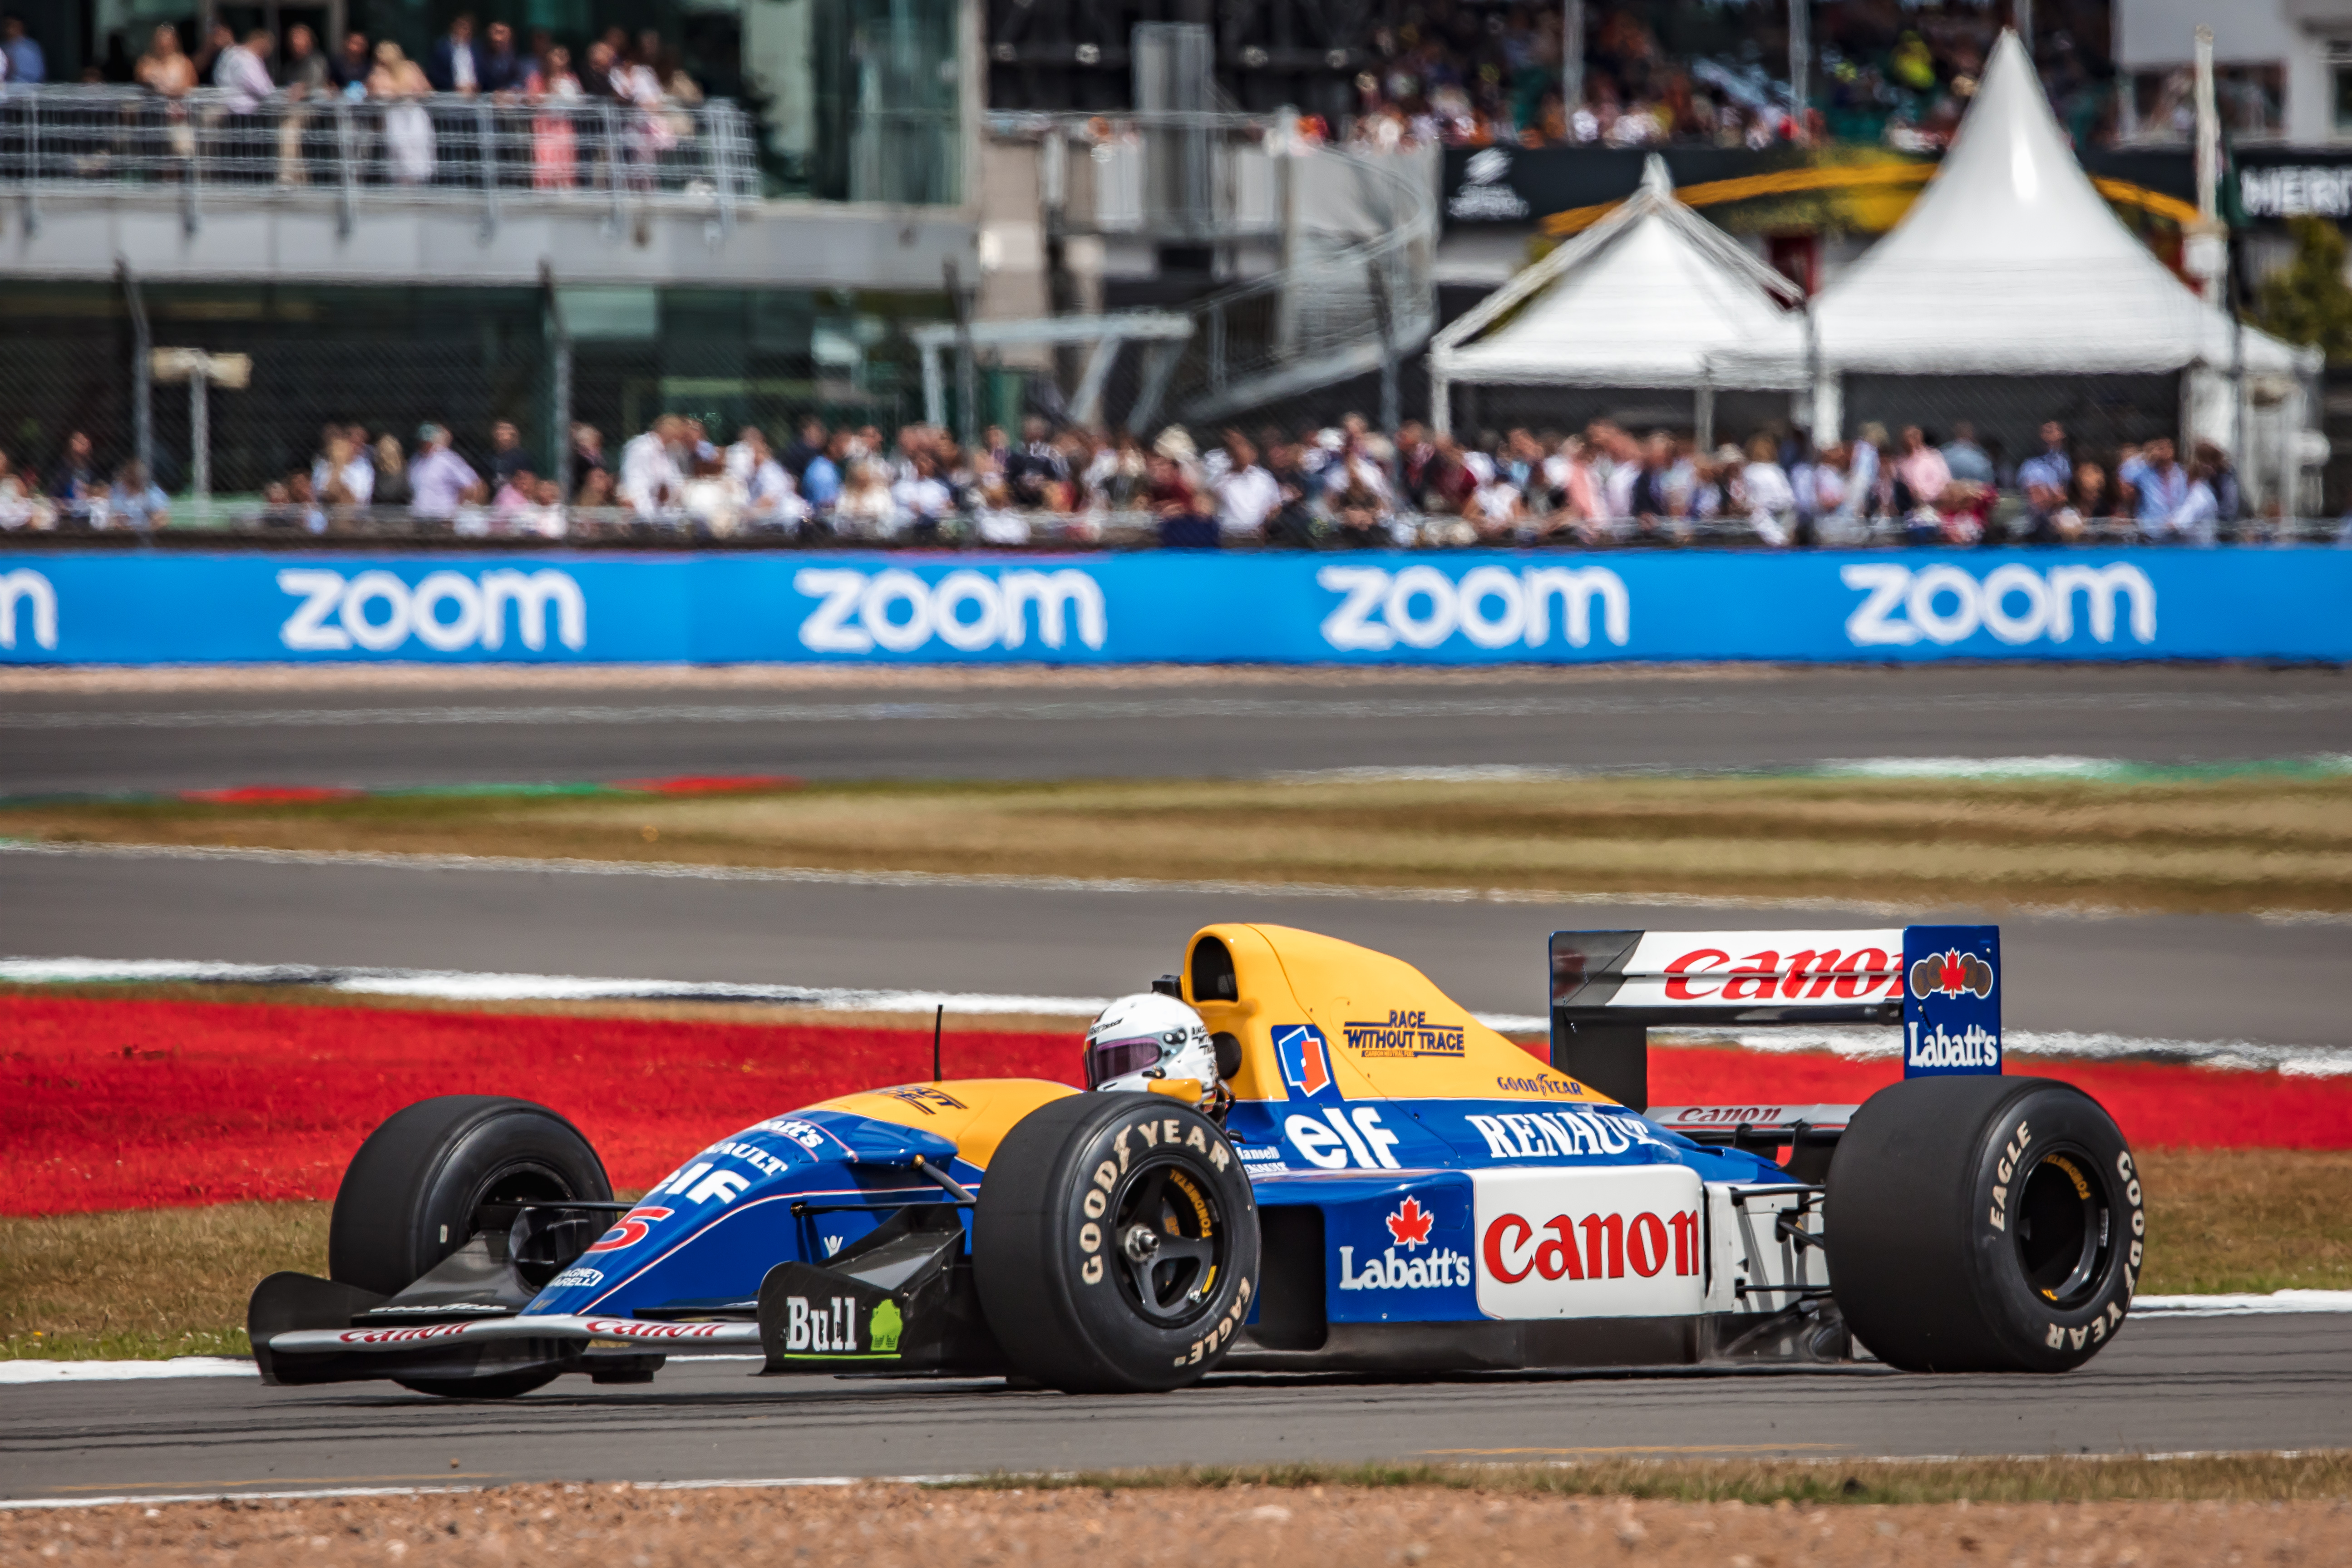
(1940, 984)
(1756, 976)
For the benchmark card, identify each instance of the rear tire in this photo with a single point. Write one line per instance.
(1984, 1225)
(1116, 1244)
(409, 1196)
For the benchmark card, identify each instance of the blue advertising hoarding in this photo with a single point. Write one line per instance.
(155, 606)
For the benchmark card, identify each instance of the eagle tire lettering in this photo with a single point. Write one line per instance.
(1984, 1224)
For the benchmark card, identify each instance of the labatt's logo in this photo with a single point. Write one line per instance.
(1951, 973)
(1410, 1226)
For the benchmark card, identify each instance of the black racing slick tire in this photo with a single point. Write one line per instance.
(1984, 1225)
(409, 1197)
(1116, 1244)
(505, 1385)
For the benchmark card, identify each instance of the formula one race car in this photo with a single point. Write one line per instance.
(1330, 1167)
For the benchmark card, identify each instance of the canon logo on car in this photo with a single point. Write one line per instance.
(378, 611)
(403, 1336)
(1710, 973)
(1621, 1241)
(896, 611)
(1612, 1244)
(2015, 603)
(631, 1328)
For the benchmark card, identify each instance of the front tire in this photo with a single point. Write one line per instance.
(1116, 1244)
(409, 1197)
(1984, 1225)
(504, 1385)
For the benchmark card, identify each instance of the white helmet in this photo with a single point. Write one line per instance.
(1148, 1036)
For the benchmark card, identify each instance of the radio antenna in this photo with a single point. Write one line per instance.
(937, 1018)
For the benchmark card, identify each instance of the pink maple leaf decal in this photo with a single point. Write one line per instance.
(1409, 1225)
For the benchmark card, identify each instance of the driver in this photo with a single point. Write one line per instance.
(1151, 1036)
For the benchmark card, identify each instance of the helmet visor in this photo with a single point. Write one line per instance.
(1108, 1059)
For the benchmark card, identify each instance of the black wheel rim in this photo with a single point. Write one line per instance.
(1167, 1238)
(2065, 1227)
(521, 1182)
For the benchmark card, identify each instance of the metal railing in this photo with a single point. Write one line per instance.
(1353, 288)
(485, 152)
(249, 521)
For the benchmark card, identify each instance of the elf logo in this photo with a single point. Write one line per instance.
(378, 611)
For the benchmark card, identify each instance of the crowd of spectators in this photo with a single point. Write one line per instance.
(1475, 75)
(268, 111)
(1344, 487)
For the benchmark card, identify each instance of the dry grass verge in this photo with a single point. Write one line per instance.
(167, 1282)
(2268, 1512)
(2218, 844)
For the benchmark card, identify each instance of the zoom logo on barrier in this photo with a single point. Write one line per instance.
(1945, 603)
(33, 592)
(378, 611)
(896, 611)
(1491, 607)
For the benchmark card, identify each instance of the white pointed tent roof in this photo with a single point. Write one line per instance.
(2009, 263)
(1653, 296)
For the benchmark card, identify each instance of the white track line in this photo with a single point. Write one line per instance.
(155, 1499)
(683, 871)
(1847, 1040)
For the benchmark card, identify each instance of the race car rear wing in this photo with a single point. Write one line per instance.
(1610, 988)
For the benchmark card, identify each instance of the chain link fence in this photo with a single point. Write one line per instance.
(389, 361)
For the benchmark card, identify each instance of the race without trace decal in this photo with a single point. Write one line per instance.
(1619, 1243)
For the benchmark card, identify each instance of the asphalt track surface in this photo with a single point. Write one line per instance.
(2165, 1386)
(2176, 977)
(62, 740)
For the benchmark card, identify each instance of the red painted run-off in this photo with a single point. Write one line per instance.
(107, 1105)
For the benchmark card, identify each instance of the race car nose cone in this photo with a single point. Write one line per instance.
(1141, 1243)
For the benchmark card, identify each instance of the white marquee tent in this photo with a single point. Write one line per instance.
(1652, 296)
(2010, 263)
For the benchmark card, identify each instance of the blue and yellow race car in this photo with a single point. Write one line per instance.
(1300, 1155)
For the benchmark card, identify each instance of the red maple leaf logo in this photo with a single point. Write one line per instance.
(1951, 975)
(1409, 1225)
